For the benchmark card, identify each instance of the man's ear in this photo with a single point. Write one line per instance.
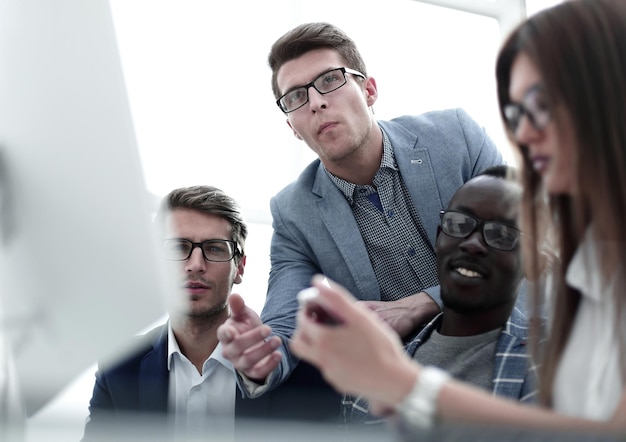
(240, 269)
(371, 91)
(296, 134)
(437, 237)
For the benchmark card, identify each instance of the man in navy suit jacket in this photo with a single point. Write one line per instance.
(364, 213)
(176, 384)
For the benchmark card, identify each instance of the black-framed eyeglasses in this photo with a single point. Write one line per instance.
(216, 250)
(534, 105)
(327, 82)
(496, 234)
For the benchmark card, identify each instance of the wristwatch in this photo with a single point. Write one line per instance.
(419, 408)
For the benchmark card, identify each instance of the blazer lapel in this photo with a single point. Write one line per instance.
(337, 216)
(512, 360)
(154, 376)
(417, 173)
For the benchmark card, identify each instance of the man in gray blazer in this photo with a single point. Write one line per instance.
(365, 213)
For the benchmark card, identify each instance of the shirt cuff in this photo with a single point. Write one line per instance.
(252, 388)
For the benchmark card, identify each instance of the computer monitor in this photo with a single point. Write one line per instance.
(79, 267)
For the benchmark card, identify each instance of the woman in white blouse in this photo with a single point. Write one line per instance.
(562, 92)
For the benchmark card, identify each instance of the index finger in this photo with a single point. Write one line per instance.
(334, 298)
(237, 306)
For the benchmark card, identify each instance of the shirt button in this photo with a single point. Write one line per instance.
(390, 213)
(411, 251)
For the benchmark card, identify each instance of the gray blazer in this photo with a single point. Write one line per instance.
(315, 230)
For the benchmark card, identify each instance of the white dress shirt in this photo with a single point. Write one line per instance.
(203, 404)
(588, 381)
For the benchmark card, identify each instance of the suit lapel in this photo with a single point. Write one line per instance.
(154, 376)
(511, 358)
(417, 173)
(338, 218)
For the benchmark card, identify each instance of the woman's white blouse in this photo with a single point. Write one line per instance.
(588, 381)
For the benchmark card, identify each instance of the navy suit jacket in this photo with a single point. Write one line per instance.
(136, 391)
